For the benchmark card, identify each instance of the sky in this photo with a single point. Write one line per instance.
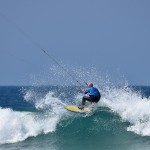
(112, 36)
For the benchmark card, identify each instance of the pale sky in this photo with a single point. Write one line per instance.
(113, 36)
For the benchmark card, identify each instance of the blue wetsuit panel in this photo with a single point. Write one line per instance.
(93, 91)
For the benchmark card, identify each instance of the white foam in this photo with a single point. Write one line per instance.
(131, 107)
(17, 126)
(48, 101)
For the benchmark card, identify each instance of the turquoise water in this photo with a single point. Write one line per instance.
(35, 118)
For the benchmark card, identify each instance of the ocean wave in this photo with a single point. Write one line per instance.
(124, 102)
(131, 106)
(18, 125)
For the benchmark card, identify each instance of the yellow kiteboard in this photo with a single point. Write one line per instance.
(75, 108)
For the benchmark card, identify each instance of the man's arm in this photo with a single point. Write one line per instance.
(87, 91)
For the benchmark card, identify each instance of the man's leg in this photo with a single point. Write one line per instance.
(96, 99)
(86, 98)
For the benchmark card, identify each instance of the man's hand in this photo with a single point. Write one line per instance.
(82, 91)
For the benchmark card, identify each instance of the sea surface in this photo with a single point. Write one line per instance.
(34, 118)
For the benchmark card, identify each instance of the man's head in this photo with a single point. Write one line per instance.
(90, 85)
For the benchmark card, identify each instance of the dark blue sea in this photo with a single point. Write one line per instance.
(34, 118)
